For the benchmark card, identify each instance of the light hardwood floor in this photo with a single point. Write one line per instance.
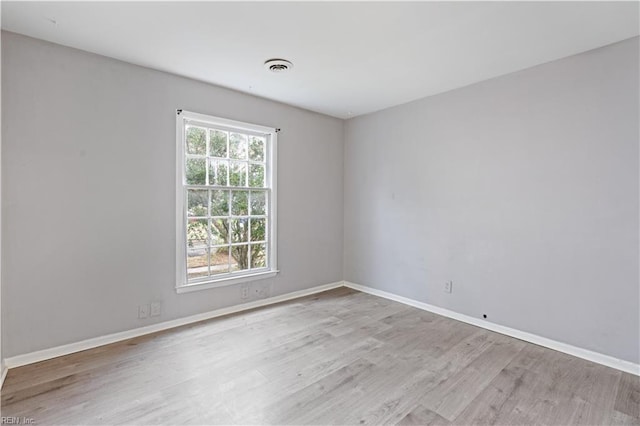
(339, 357)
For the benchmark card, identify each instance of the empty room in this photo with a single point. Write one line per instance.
(320, 213)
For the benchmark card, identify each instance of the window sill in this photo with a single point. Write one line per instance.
(188, 288)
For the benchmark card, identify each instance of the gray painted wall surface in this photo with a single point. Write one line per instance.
(522, 189)
(88, 179)
(1, 348)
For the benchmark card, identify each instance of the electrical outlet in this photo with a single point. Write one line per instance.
(448, 287)
(156, 309)
(143, 311)
(244, 292)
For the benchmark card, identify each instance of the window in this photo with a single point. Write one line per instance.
(226, 202)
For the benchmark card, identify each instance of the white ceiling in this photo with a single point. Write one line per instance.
(349, 58)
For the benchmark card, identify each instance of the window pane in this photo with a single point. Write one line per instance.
(197, 235)
(218, 172)
(197, 264)
(239, 257)
(197, 202)
(238, 174)
(238, 146)
(258, 228)
(258, 202)
(227, 200)
(196, 172)
(239, 203)
(256, 175)
(258, 255)
(239, 230)
(219, 203)
(196, 140)
(219, 260)
(219, 232)
(217, 143)
(256, 148)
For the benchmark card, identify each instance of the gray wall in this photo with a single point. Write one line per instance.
(1, 349)
(88, 179)
(523, 190)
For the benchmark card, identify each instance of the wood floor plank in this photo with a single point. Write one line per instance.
(453, 395)
(339, 357)
(428, 373)
(295, 379)
(274, 317)
(621, 419)
(499, 399)
(628, 396)
(569, 391)
(164, 370)
(315, 399)
(421, 416)
(531, 389)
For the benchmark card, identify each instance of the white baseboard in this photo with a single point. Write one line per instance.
(37, 356)
(596, 357)
(42, 355)
(3, 374)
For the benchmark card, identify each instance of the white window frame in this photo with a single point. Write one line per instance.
(182, 284)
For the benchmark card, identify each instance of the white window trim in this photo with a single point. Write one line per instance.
(182, 286)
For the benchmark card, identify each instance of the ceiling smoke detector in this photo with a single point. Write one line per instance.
(278, 65)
